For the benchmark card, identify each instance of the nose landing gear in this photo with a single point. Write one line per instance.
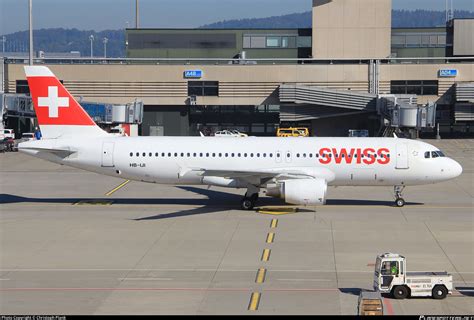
(399, 201)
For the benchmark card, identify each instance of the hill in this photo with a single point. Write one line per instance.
(400, 19)
(66, 40)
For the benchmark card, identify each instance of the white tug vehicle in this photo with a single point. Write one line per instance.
(391, 277)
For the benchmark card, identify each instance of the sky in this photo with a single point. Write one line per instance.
(116, 14)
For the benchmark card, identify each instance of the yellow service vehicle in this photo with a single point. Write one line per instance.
(293, 132)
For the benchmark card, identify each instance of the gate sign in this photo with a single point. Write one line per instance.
(195, 74)
(448, 73)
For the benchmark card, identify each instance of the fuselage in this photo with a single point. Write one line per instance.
(178, 160)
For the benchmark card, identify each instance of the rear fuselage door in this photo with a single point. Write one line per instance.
(402, 156)
(108, 154)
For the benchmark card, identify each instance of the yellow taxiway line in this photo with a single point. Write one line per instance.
(123, 184)
(261, 275)
(254, 301)
(266, 255)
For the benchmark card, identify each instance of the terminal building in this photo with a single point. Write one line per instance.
(351, 70)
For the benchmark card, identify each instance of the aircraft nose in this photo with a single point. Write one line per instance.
(454, 169)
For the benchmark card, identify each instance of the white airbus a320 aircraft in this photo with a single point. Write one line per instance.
(298, 170)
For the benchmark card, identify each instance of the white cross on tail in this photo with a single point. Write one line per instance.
(53, 102)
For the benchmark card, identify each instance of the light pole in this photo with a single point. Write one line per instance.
(4, 40)
(137, 15)
(91, 38)
(30, 10)
(105, 40)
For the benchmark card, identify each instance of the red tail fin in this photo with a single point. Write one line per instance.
(58, 112)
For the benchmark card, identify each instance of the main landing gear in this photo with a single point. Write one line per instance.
(399, 201)
(250, 198)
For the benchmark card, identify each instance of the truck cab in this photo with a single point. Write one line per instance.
(391, 277)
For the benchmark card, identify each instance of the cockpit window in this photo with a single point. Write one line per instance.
(434, 154)
(437, 154)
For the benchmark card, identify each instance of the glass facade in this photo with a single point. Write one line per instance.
(419, 40)
(262, 41)
(181, 41)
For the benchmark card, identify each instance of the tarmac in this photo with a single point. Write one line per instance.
(73, 242)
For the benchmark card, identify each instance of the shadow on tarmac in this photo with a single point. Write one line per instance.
(466, 291)
(215, 201)
(352, 291)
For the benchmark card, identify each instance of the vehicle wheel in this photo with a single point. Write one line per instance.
(247, 204)
(439, 292)
(400, 202)
(400, 292)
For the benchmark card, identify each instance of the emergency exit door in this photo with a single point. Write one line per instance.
(108, 154)
(402, 156)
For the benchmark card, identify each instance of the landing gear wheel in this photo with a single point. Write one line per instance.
(247, 204)
(400, 202)
(400, 292)
(439, 292)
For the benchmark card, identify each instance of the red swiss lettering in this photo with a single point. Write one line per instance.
(324, 157)
(384, 156)
(343, 154)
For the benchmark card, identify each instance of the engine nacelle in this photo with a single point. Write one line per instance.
(308, 192)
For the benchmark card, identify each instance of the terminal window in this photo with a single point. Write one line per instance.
(418, 87)
(419, 40)
(181, 41)
(203, 88)
(262, 41)
(22, 87)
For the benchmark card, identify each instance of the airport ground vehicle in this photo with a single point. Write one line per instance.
(296, 170)
(292, 132)
(359, 133)
(28, 136)
(230, 133)
(391, 276)
(6, 144)
(370, 304)
(7, 133)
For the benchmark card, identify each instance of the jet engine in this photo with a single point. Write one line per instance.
(308, 192)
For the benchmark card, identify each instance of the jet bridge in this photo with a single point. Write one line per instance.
(464, 107)
(345, 99)
(302, 103)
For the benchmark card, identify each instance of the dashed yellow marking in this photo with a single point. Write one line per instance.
(98, 202)
(261, 273)
(274, 223)
(254, 301)
(266, 255)
(270, 237)
(117, 188)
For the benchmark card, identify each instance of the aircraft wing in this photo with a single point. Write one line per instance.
(265, 175)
